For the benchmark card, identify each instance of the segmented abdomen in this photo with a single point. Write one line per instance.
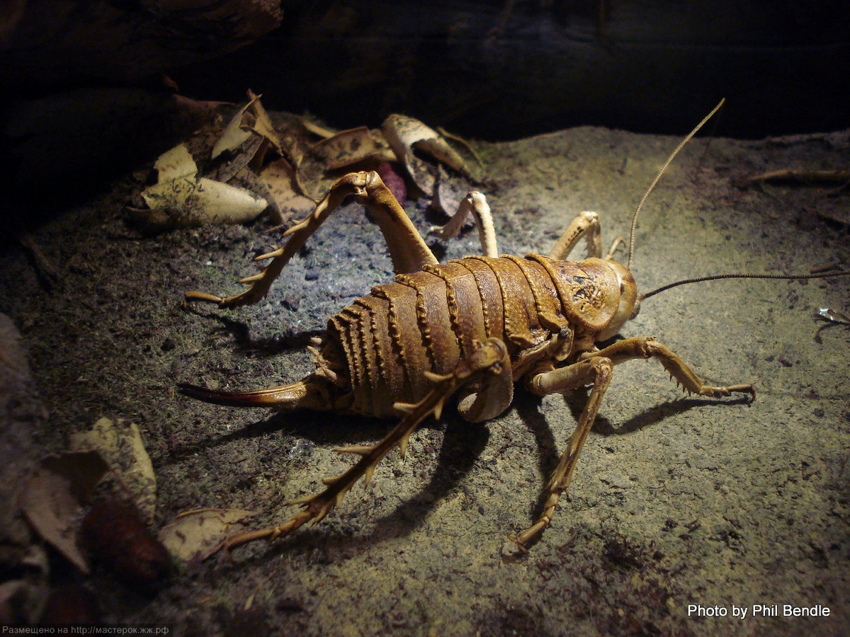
(428, 320)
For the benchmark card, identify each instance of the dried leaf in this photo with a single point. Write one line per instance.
(448, 193)
(181, 199)
(279, 176)
(443, 153)
(251, 181)
(120, 445)
(350, 147)
(192, 201)
(313, 179)
(462, 142)
(402, 132)
(293, 148)
(53, 498)
(405, 134)
(344, 150)
(198, 534)
(118, 538)
(234, 134)
(317, 129)
(248, 135)
(247, 153)
(174, 164)
(262, 125)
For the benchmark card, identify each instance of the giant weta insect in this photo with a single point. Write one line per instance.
(474, 326)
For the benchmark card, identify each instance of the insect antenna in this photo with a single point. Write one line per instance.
(664, 288)
(661, 172)
(791, 277)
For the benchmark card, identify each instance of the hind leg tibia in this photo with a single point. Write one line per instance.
(407, 249)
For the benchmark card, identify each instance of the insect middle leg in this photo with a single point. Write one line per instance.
(596, 368)
(647, 347)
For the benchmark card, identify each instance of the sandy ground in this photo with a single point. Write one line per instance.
(676, 501)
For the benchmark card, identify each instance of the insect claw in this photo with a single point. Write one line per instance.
(520, 545)
(438, 409)
(203, 296)
(298, 226)
(322, 514)
(402, 445)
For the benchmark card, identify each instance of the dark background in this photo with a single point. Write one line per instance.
(496, 71)
(493, 70)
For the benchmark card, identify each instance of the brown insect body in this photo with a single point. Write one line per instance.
(429, 320)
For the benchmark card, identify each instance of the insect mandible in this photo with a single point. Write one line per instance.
(472, 327)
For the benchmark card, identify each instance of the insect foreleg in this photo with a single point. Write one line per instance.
(474, 203)
(647, 347)
(596, 370)
(587, 226)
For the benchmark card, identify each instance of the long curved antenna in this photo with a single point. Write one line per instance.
(661, 172)
(798, 277)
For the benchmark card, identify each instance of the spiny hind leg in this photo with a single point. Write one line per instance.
(407, 248)
(488, 359)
